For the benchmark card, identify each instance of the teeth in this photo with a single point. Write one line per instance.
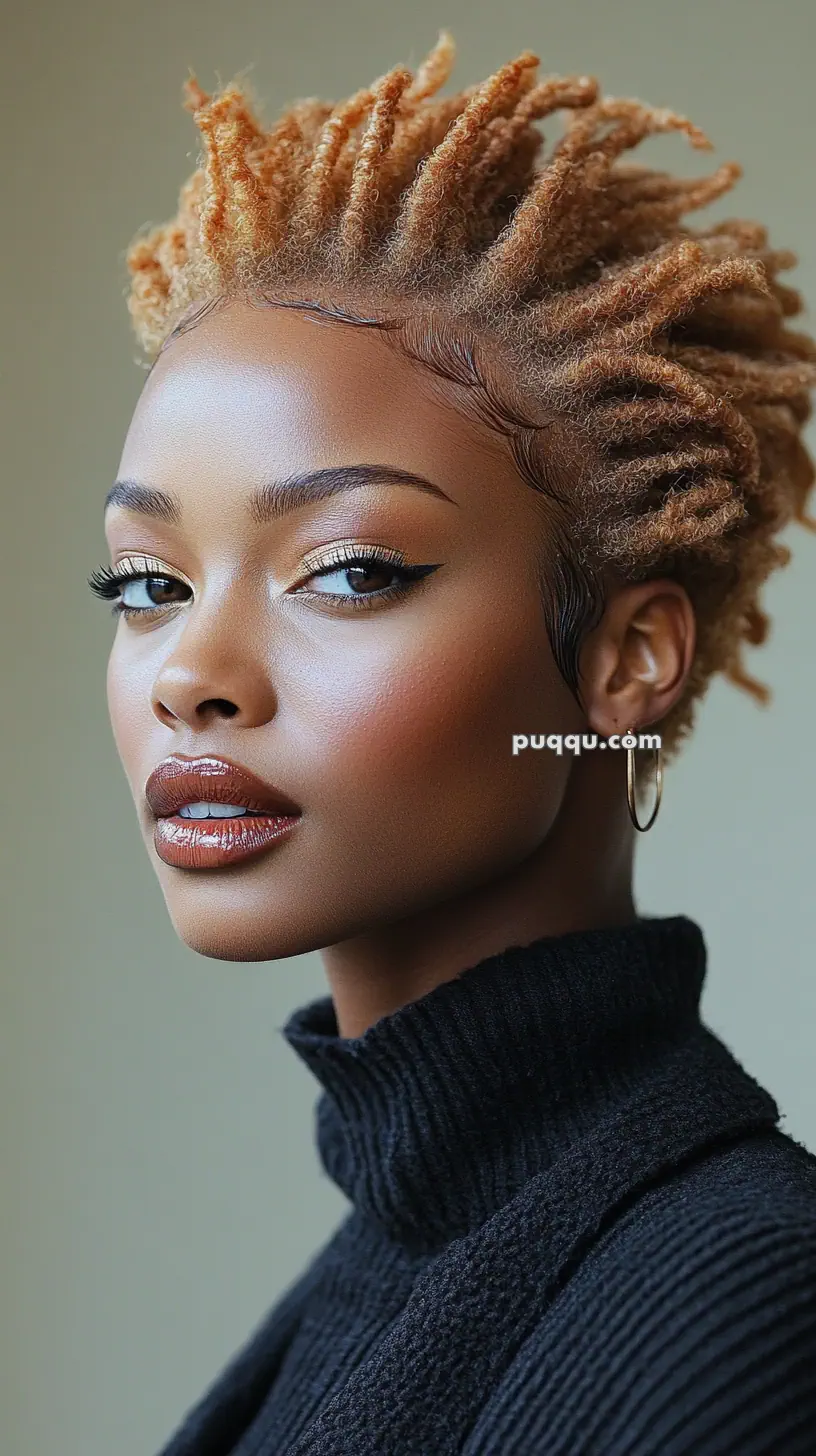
(206, 810)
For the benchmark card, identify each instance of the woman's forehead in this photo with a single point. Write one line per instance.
(257, 391)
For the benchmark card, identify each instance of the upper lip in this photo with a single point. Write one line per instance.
(179, 780)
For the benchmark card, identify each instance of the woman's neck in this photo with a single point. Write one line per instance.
(579, 878)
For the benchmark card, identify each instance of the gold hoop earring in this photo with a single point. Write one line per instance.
(631, 787)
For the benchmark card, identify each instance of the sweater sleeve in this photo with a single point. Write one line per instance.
(705, 1345)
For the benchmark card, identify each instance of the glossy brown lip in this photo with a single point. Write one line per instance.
(179, 780)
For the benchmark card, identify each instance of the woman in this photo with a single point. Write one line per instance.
(451, 463)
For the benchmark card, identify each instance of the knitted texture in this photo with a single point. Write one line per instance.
(576, 1229)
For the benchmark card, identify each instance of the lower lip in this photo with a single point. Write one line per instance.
(212, 844)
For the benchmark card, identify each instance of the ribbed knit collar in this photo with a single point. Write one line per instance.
(440, 1112)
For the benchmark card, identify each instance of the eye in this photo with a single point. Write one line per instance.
(363, 576)
(137, 589)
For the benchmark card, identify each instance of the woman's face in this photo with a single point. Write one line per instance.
(386, 716)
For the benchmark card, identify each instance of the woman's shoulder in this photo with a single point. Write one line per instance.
(764, 1174)
(734, 1230)
(689, 1328)
(746, 1205)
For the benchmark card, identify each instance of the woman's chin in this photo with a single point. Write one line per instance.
(242, 939)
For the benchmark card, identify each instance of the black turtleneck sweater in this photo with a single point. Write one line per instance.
(576, 1229)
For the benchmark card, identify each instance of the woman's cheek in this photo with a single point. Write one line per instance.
(442, 715)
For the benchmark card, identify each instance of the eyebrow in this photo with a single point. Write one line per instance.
(275, 498)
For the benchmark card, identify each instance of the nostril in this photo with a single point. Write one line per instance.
(222, 705)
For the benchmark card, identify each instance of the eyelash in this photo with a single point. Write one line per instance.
(107, 582)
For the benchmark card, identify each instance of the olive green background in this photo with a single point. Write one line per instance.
(159, 1182)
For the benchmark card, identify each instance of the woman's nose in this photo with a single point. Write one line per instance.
(207, 676)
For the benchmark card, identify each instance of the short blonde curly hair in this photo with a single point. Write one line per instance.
(664, 350)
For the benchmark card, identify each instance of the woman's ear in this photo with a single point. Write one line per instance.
(635, 663)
